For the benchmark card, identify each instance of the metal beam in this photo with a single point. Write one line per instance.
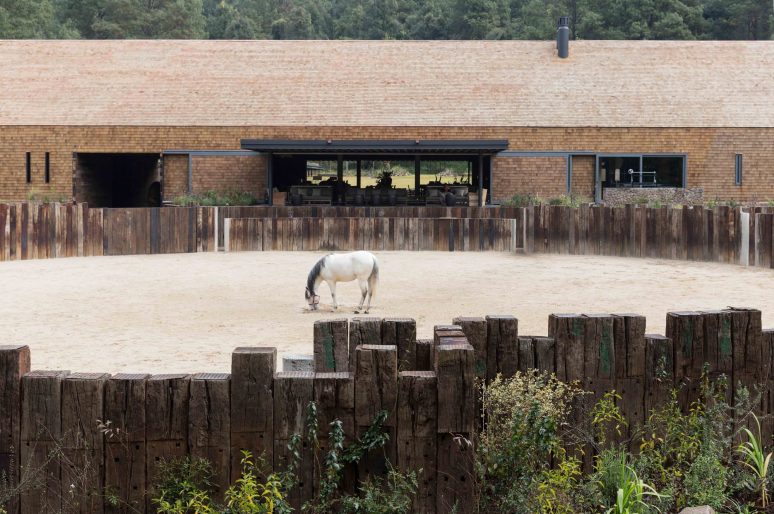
(376, 146)
(245, 153)
(417, 174)
(480, 180)
(359, 172)
(190, 174)
(270, 177)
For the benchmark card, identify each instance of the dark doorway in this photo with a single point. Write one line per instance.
(118, 180)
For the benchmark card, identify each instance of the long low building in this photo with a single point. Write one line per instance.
(134, 123)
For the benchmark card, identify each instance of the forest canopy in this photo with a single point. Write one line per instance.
(385, 19)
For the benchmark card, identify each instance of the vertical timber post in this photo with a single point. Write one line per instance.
(14, 363)
(252, 404)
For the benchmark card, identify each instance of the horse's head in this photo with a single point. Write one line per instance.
(312, 299)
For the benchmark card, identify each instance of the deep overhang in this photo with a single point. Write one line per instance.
(376, 146)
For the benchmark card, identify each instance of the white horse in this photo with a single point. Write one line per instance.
(344, 267)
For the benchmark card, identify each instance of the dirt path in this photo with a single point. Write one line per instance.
(185, 313)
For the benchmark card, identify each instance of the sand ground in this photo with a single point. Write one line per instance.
(185, 313)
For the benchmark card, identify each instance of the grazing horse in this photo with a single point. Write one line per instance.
(344, 267)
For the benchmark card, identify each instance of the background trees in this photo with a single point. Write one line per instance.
(385, 19)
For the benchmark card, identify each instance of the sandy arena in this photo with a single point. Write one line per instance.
(185, 313)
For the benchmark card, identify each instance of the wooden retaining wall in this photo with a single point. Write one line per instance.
(82, 434)
(377, 234)
(320, 211)
(38, 231)
(688, 233)
(43, 231)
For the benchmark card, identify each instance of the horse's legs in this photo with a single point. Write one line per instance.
(332, 286)
(373, 280)
(364, 292)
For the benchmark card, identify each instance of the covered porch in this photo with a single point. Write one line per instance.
(378, 172)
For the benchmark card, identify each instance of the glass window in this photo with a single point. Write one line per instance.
(656, 171)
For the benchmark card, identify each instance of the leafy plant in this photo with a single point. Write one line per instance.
(392, 495)
(607, 418)
(757, 460)
(522, 419)
(523, 200)
(184, 485)
(556, 487)
(216, 198)
(631, 492)
(568, 201)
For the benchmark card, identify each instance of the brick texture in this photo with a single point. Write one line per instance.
(543, 176)
(583, 175)
(710, 152)
(230, 173)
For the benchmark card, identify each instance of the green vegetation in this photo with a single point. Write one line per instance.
(214, 198)
(530, 454)
(184, 486)
(528, 199)
(384, 19)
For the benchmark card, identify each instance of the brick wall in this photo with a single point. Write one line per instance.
(583, 175)
(175, 176)
(542, 176)
(234, 173)
(710, 151)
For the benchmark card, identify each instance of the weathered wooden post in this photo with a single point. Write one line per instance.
(598, 354)
(293, 391)
(330, 345)
(417, 434)
(209, 425)
(475, 330)
(629, 338)
(455, 371)
(14, 363)
(567, 330)
(767, 343)
(686, 330)
(376, 389)
(166, 430)
(252, 405)
(402, 333)
(502, 346)
(425, 349)
(659, 371)
(363, 331)
(536, 352)
(334, 395)
(41, 434)
(83, 397)
(125, 442)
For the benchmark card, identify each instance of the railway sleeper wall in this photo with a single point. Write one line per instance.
(83, 435)
(721, 234)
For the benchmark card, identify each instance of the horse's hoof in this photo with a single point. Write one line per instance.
(357, 311)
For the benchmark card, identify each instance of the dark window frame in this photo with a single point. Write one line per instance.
(28, 167)
(738, 169)
(47, 171)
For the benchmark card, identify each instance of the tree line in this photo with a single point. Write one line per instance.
(385, 19)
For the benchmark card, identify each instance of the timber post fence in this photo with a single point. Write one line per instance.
(84, 434)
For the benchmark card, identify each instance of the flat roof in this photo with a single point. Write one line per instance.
(387, 83)
(375, 147)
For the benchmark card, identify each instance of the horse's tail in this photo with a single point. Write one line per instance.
(373, 279)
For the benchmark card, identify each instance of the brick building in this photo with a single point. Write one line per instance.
(127, 122)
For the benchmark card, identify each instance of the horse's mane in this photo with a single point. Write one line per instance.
(314, 273)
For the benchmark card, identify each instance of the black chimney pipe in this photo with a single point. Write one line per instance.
(563, 37)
